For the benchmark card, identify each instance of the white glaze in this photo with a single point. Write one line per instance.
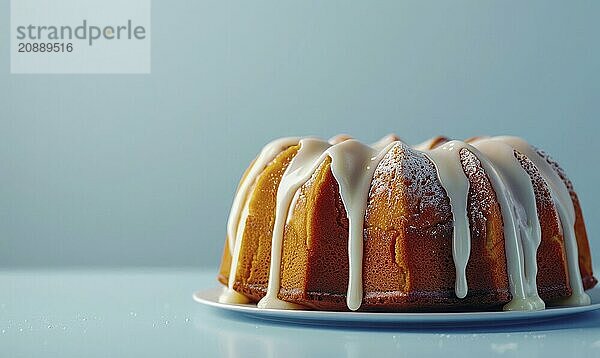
(305, 162)
(353, 165)
(385, 141)
(239, 211)
(452, 177)
(426, 145)
(229, 295)
(521, 196)
(339, 138)
(267, 154)
(566, 212)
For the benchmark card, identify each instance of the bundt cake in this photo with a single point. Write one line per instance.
(488, 223)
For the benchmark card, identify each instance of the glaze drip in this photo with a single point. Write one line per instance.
(353, 165)
(453, 179)
(521, 198)
(306, 161)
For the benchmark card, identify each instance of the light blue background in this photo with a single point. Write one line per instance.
(115, 170)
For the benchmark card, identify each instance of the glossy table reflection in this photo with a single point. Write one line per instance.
(150, 312)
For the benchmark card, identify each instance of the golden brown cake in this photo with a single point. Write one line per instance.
(488, 223)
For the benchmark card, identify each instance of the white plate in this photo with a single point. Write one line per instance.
(210, 298)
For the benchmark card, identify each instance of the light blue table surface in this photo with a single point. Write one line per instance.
(150, 313)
